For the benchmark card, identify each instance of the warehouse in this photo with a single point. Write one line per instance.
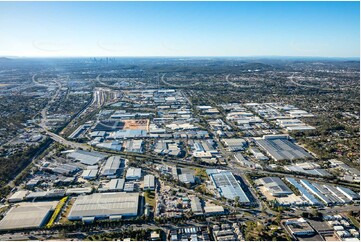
(275, 186)
(113, 166)
(280, 148)
(114, 185)
(134, 173)
(89, 174)
(65, 169)
(135, 146)
(27, 215)
(104, 206)
(227, 185)
(79, 191)
(127, 134)
(305, 194)
(310, 187)
(167, 147)
(18, 196)
(244, 162)
(234, 144)
(149, 182)
(349, 193)
(196, 206)
(186, 178)
(86, 157)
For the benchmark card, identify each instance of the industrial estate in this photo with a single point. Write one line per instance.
(179, 149)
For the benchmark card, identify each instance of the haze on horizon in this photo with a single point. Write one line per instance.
(65, 29)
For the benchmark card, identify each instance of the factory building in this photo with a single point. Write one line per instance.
(86, 157)
(135, 146)
(349, 193)
(186, 178)
(227, 185)
(316, 192)
(196, 206)
(28, 215)
(104, 206)
(89, 174)
(149, 182)
(234, 144)
(280, 148)
(113, 166)
(275, 186)
(305, 194)
(134, 173)
(18, 196)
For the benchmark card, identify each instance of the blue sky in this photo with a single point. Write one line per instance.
(329, 29)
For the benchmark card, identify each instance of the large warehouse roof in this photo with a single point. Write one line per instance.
(112, 165)
(103, 205)
(27, 215)
(228, 186)
(282, 149)
(276, 186)
(86, 157)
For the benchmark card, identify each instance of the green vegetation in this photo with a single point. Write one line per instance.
(150, 198)
(257, 231)
(201, 172)
(136, 235)
(12, 166)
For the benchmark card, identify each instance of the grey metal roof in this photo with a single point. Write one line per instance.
(112, 165)
(86, 157)
(105, 205)
(228, 186)
(276, 186)
(149, 181)
(282, 149)
(27, 215)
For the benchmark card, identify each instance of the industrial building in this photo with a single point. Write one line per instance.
(305, 194)
(204, 148)
(135, 146)
(280, 148)
(235, 144)
(104, 206)
(196, 206)
(149, 182)
(167, 147)
(244, 162)
(28, 215)
(128, 134)
(275, 186)
(227, 185)
(114, 185)
(65, 169)
(134, 173)
(86, 157)
(299, 227)
(186, 178)
(112, 166)
(258, 154)
(18, 196)
(349, 193)
(310, 187)
(79, 191)
(89, 174)
(54, 193)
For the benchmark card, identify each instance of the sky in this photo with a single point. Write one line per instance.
(321, 29)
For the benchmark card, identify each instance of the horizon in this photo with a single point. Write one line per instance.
(180, 29)
(186, 57)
